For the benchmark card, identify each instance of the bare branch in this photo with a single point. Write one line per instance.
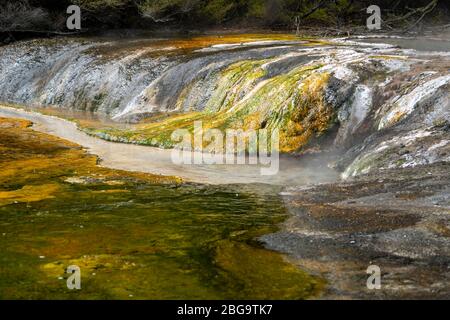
(430, 7)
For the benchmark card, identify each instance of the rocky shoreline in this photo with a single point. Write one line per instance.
(398, 219)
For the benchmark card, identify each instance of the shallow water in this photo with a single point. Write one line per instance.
(423, 44)
(134, 236)
(152, 242)
(158, 161)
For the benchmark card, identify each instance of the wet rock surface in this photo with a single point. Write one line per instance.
(383, 103)
(407, 123)
(398, 219)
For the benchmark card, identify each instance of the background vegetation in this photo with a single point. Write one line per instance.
(50, 15)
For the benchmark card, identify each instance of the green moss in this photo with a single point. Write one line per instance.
(292, 102)
(387, 57)
(235, 82)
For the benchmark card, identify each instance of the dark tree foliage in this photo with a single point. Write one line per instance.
(50, 15)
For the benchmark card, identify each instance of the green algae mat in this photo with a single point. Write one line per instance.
(133, 235)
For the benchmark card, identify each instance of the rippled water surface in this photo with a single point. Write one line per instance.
(150, 241)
